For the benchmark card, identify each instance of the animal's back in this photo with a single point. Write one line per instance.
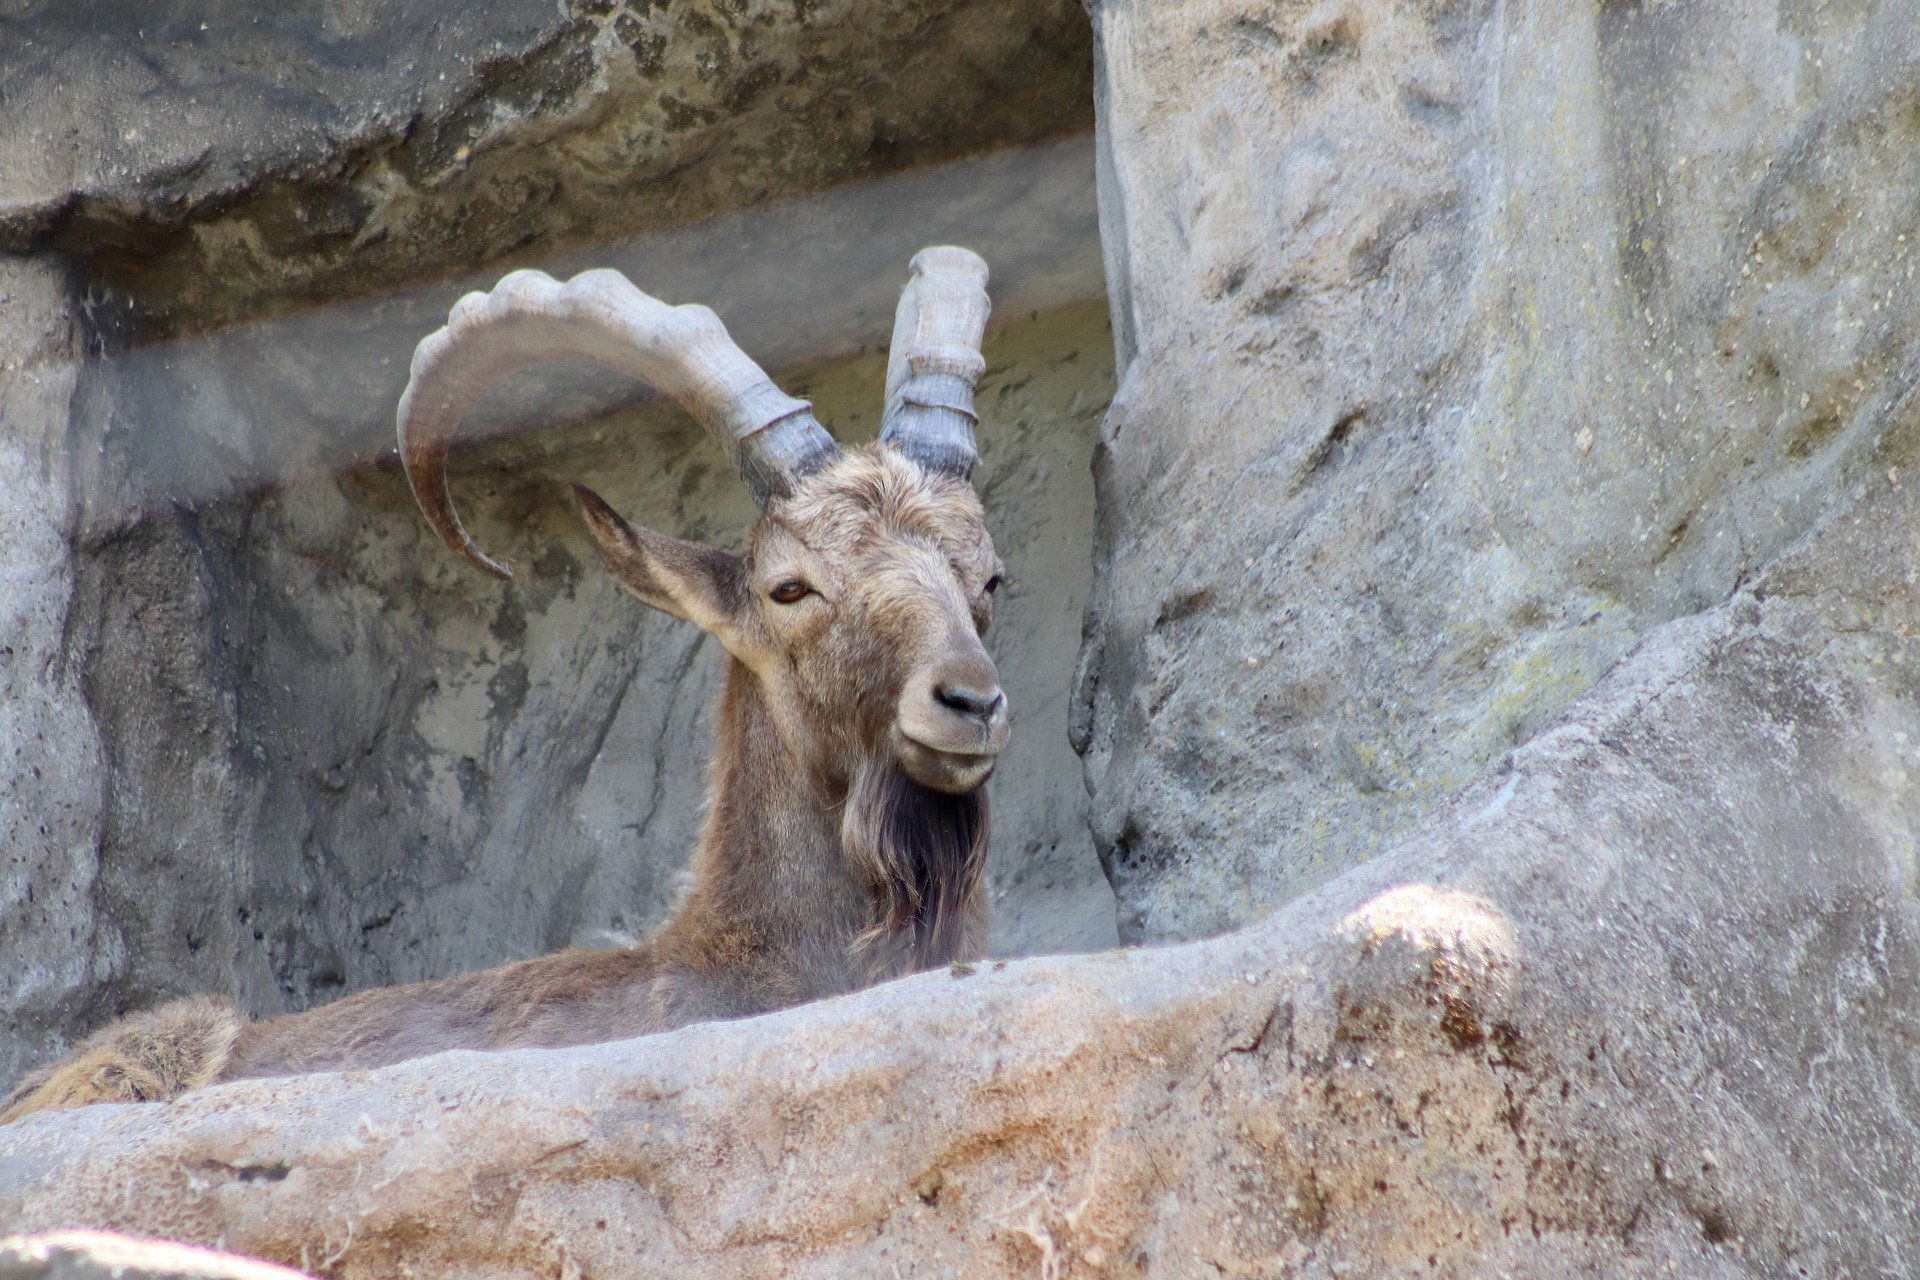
(571, 997)
(149, 1056)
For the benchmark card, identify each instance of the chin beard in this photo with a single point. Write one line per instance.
(924, 852)
(949, 772)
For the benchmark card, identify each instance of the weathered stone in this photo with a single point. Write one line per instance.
(273, 401)
(1640, 1002)
(1461, 343)
(52, 768)
(227, 156)
(101, 1255)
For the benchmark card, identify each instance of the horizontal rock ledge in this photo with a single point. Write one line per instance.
(228, 158)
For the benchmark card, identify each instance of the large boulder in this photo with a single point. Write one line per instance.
(1461, 343)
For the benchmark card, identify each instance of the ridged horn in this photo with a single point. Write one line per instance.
(598, 316)
(935, 363)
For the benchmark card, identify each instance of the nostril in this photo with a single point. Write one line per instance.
(967, 701)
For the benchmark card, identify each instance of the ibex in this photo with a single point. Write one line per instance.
(846, 827)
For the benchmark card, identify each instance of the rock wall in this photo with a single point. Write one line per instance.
(1502, 598)
(1461, 343)
(228, 158)
(52, 765)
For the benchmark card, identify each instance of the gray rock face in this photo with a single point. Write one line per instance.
(1461, 343)
(1641, 1002)
(228, 156)
(52, 766)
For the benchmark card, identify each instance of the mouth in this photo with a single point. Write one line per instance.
(939, 769)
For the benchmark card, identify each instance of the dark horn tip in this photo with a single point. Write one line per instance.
(486, 563)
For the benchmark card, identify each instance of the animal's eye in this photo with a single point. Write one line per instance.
(993, 583)
(792, 591)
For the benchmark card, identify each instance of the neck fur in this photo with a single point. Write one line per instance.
(830, 888)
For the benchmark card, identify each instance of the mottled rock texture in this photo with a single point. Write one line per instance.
(52, 763)
(1641, 1002)
(1461, 343)
(1503, 628)
(226, 156)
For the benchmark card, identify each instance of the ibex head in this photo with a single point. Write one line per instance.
(866, 584)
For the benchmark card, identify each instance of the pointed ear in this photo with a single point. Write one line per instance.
(703, 585)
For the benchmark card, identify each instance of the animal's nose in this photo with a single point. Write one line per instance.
(968, 700)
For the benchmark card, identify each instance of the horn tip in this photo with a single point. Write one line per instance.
(470, 551)
(487, 564)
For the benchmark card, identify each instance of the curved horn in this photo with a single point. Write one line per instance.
(935, 360)
(598, 316)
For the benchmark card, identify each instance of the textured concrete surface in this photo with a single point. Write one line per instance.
(1462, 343)
(52, 766)
(1641, 1002)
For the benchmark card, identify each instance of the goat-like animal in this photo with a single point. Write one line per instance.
(846, 827)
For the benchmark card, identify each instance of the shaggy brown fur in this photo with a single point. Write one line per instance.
(925, 852)
(845, 835)
(148, 1057)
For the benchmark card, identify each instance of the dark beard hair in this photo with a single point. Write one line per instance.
(923, 851)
